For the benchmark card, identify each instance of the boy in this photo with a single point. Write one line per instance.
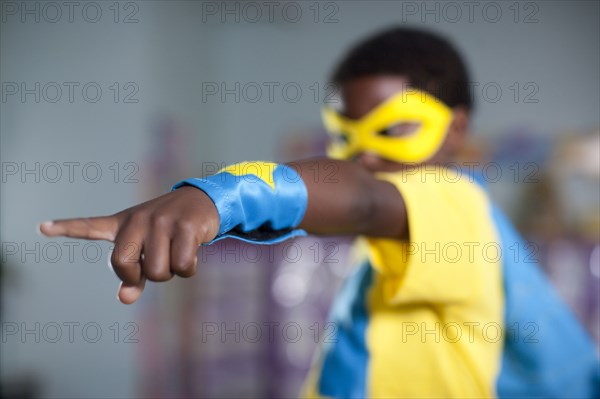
(428, 313)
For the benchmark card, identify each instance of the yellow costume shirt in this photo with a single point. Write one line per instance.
(422, 318)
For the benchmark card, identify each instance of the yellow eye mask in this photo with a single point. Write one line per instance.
(381, 130)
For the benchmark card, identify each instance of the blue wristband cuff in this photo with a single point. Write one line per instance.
(257, 202)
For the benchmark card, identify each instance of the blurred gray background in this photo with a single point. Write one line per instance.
(156, 61)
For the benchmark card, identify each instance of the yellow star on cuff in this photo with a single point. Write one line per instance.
(262, 170)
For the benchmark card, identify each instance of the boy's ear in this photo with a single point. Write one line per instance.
(457, 132)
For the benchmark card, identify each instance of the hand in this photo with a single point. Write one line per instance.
(153, 240)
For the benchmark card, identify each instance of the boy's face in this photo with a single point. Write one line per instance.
(362, 95)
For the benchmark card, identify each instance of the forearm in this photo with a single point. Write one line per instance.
(265, 202)
(345, 198)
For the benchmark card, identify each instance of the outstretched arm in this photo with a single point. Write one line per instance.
(159, 238)
(345, 198)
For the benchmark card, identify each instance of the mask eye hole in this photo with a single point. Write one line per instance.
(403, 129)
(339, 138)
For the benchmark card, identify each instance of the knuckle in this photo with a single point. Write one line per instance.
(203, 231)
(127, 253)
(137, 217)
(124, 263)
(160, 220)
(119, 260)
(185, 227)
(183, 267)
(158, 274)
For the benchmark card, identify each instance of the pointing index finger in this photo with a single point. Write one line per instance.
(96, 228)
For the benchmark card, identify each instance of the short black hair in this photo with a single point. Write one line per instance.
(428, 61)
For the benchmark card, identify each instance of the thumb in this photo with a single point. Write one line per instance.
(128, 294)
